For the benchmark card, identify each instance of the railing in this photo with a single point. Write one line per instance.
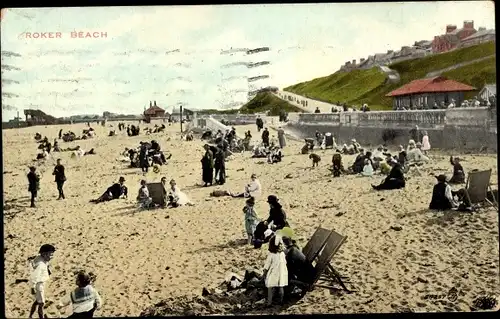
(431, 117)
(472, 117)
(333, 118)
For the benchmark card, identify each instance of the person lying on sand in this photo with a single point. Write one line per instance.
(175, 197)
(115, 191)
(85, 299)
(143, 198)
(395, 179)
(91, 152)
(252, 189)
(458, 171)
(40, 274)
(443, 196)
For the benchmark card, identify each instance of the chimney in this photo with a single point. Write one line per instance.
(361, 60)
(354, 62)
(451, 28)
(482, 29)
(150, 105)
(469, 24)
(155, 103)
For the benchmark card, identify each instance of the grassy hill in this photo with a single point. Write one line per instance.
(266, 101)
(369, 86)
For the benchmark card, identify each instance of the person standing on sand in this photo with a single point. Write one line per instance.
(85, 298)
(251, 219)
(34, 184)
(275, 270)
(281, 137)
(265, 137)
(260, 123)
(40, 273)
(220, 166)
(60, 178)
(143, 158)
(207, 166)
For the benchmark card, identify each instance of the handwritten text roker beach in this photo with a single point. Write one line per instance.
(60, 35)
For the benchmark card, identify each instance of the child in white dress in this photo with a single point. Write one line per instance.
(275, 270)
(426, 145)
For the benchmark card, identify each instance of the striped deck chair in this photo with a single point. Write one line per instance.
(478, 186)
(157, 193)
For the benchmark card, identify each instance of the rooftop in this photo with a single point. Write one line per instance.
(431, 85)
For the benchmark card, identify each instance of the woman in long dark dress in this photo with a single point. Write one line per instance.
(394, 180)
(220, 166)
(207, 166)
(276, 214)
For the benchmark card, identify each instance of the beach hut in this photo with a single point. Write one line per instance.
(423, 93)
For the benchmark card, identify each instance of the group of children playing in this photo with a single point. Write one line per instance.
(85, 299)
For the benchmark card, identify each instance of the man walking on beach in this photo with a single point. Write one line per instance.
(60, 178)
(40, 273)
(34, 184)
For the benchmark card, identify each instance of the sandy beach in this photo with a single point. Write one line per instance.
(143, 257)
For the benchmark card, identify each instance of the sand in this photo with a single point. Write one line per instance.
(143, 257)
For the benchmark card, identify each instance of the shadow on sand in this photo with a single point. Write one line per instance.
(235, 243)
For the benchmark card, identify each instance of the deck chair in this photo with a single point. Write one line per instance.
(325, 272)
(157, 193)
(477, 187)
(316, 243)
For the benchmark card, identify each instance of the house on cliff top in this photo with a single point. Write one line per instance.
(453, 36)
(423, 93)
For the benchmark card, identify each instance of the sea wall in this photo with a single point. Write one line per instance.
(458, 128)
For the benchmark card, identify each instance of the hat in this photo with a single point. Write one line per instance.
(286, 232)
(47, 248)
(272, 199)
(122, 179)
(441, 178)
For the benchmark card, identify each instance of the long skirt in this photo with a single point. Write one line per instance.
(208, 175)
(391, 184)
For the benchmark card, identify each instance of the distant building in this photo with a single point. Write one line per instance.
(488, 91)
(481, 36)
(154, 111)
(424, 93)
(453, 36)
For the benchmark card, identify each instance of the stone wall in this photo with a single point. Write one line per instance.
(459, 128)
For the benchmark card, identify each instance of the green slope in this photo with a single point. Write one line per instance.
(266, 101)
(369, 86)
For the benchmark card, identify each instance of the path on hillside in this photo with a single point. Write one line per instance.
(456, 66)
(311, 104)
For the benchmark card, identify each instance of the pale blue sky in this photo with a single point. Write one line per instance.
(128, 68)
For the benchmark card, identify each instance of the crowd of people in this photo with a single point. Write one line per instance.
(285, 263)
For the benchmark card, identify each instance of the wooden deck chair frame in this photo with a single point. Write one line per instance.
(479, 193)
(324, 270)
(157, 192)
(318, 240)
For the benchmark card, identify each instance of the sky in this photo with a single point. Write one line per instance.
(179, 54)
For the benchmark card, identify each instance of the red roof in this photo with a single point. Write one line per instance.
(153, 110)
(430, 85)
